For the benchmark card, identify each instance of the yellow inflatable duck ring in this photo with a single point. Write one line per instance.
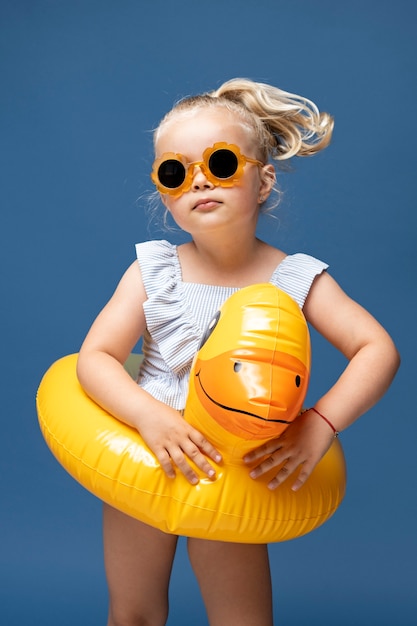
(247, 383)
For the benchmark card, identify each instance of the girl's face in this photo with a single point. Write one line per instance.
(207, 206)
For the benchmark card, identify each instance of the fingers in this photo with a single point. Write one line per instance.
(165, 462)
(280, 458)
(302, 477)
(207, 449)
(288, 469)
(259, 453)
(284, 454)
(293, 451)
(196, 450)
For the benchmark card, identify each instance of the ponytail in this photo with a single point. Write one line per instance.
(294, 126)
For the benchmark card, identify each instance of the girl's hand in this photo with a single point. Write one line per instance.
(303, 443)
(175, 442)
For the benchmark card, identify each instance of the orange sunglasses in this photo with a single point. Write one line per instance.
(222, 165)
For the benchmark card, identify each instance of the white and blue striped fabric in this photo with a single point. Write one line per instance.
(177, 314)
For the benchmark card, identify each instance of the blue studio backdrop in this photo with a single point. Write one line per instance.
(83, 83)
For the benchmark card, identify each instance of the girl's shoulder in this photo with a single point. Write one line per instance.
(295, 274)
(156, 249)
(301, 262)
(158, 262)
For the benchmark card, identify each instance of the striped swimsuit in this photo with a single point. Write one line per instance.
(177, 314)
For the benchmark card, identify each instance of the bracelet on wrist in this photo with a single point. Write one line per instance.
(335, 432)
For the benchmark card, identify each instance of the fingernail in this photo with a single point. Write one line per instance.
(211, 473)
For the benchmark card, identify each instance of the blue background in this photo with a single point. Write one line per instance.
(82, 85)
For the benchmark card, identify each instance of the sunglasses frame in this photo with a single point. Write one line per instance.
(230, 181)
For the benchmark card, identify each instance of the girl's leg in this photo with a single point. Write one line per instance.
(138, 561)
(235, 582)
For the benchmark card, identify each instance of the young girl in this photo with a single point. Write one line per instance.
(213, 172)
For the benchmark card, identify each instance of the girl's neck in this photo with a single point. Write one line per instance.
(236, 265)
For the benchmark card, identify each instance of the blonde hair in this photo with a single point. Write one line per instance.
(284, 124)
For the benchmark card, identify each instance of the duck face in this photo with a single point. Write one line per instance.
(251, 373)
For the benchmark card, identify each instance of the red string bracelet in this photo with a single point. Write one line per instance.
(336, 432)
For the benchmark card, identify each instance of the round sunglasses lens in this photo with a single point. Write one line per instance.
(171, 173)
(223, 163)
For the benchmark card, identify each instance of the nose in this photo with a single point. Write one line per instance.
(200, 180)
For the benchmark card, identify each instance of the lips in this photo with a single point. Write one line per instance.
(206, 205)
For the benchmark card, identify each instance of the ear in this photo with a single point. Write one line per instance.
(268, 180)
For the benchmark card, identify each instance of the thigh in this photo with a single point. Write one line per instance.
(138, 561)
(235, 582)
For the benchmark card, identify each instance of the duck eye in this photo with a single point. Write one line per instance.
(212, 325)
(237, 366)
(297, 381)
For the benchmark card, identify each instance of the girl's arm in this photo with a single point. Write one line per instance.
(100, 370)
(373, 362)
